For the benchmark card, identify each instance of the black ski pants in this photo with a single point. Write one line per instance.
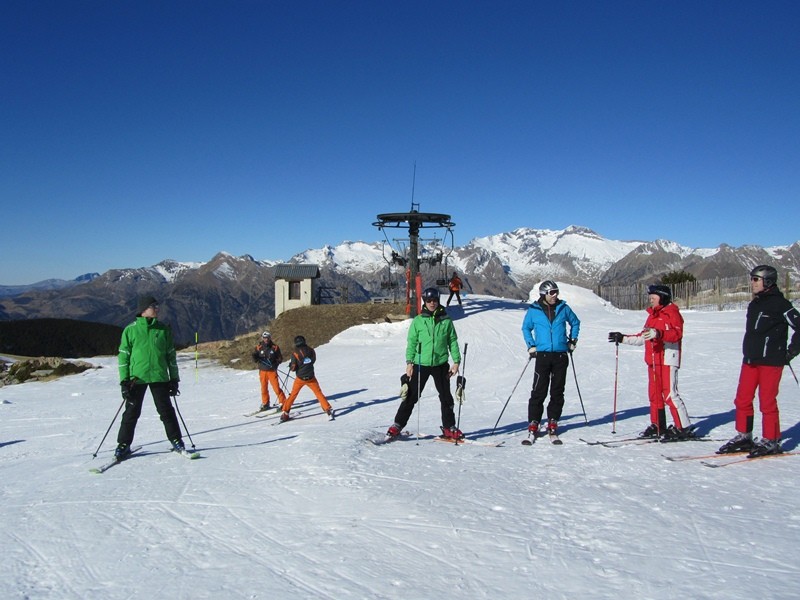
(455, 293)
(415, 387)
(133, 408)
(550, 373)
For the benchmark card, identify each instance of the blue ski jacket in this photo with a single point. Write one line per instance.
(545, 326)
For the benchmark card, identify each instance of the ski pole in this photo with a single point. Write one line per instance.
(460, 385)
(577, 387)
(616, 378)
(419, 385)
(532, 434)
(511, 394)
(285, 379)
(793, 375)
(109, 428)
(286, 375)
(189, 435)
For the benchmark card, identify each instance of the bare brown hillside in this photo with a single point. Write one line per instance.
(318, 324)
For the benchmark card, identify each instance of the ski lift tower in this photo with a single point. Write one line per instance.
(413, 221)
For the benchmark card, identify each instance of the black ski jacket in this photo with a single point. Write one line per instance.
(769, 316)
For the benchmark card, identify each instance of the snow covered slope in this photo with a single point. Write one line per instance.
(309, 509)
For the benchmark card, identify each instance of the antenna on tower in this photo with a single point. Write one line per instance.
(413, 187)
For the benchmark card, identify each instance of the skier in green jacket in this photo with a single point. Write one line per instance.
(147, 358)
(431, 341)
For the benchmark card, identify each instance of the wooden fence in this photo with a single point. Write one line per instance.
(722, 293)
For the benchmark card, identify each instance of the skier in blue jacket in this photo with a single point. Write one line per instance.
(545, 331)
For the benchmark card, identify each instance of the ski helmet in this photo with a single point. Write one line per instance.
(768, 274)
(299, 341)
(430, 294)
(266, 335)
(547, 286)
(662, 291)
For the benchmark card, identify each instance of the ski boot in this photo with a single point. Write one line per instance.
(765, 447)
(741, 442)
(122, 452)
(393, 431)
(451, 433)
(650, 431)
(674, 434)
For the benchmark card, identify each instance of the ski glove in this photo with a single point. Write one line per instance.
(650, 334)
(173, 388)
(404, 386)
(791, 353)
(615, 337)
(571, 344)
(461, 383)
(126, 387)
(532, 352)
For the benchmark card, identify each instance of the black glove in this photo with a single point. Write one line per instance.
(615, 337)
(173, 388)
(571, 344)
(255, 356)
(791, 353)
(461, 384)
(126, 387)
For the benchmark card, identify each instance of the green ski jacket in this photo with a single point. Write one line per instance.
(434, 335)
(147, 352)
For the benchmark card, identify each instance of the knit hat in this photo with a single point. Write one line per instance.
(144, 303)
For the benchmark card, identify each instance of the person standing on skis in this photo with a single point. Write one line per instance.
(302, 364)
(455, 286)
(544, 330)
(147, 359)
(662, 336)
(431, 341)
(268, 356)
(769, 316)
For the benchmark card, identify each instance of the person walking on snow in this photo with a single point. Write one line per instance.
(764, 349)
(302, 363)
(268, 356)
(544, 330)
(430, 342)
(662, 339)
(147, 359)
(455, 286)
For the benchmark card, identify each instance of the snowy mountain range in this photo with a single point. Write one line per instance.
(230, 295)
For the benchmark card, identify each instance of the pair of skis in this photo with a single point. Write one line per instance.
(264, 412)
(191, 455)
(716, 461)
(407, 435)
(533, 436)
(636, 441)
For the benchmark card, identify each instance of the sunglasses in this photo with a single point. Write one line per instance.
(756, 278)
(552, 293)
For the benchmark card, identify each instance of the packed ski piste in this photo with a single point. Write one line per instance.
(321, 508)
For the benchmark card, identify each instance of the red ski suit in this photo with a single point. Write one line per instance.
(663, 358)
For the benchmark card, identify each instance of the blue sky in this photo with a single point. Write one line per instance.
(134, 131)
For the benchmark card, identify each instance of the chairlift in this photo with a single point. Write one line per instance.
(414, 221)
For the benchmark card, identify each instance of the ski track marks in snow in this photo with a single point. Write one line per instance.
(309, 510)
